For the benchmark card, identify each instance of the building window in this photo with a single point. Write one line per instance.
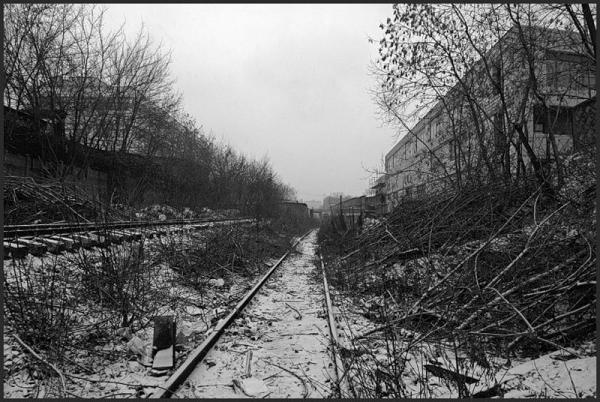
(538, 127)
(569, 71)
(557, 120)
(557, 73)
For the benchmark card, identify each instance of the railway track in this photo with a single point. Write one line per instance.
(20, 240)
(289, 335)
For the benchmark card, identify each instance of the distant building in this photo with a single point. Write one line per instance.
(316, 213)
(377, 202)
(295, 209)
(332, 200)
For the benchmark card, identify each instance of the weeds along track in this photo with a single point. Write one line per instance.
(453, 288)
(20, 240)
(274, 343)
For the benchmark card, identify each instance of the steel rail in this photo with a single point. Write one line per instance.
(11, 231)
(196, 356)
(342, 381)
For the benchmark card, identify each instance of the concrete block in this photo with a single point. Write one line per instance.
(164, 358)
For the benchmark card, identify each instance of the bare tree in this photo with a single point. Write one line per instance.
(483, 67)
(100, 99)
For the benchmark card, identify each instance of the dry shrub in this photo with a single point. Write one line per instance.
(39, 303)
(120, 278)
(221, 252)
(493, 271)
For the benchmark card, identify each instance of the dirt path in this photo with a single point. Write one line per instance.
(284, 334)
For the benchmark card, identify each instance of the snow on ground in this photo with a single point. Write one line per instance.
(558, 374)
(285, 329)
(289, 354)
(554, 375)
(110, 369)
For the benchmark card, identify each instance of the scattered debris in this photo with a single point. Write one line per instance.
(164, 358)
(124, 333)
(299, 317)
(158, 372)
(251, 386)
(216, 282)
(452, 376)
(136, 346)
(248, 372)
(110, 349)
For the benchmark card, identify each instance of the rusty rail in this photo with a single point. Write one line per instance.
(179, 376)
(342, 380)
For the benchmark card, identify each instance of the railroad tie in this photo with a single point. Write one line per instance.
(68, 243)
(14, 250)
(54, 246)
(33, 247)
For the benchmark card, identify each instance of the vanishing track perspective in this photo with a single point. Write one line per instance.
(277, 342)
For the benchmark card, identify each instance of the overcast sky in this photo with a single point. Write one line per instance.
(290, 82)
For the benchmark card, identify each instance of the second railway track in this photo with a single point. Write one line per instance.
(20, 240)
(277, 341)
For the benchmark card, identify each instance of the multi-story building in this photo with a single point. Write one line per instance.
(94, 113)
(472, 130)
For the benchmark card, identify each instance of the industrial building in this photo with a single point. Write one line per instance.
(444, 148)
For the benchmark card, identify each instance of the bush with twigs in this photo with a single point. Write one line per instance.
(124, 279)
(495, 271)
(39, 303)
(221, 252)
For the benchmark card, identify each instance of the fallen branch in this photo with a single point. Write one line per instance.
(134, 385)
(427, 314)
(295, 375)
(520, 285)
(350, 254)
(299, 315)
(516, 310)
(60, 374)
